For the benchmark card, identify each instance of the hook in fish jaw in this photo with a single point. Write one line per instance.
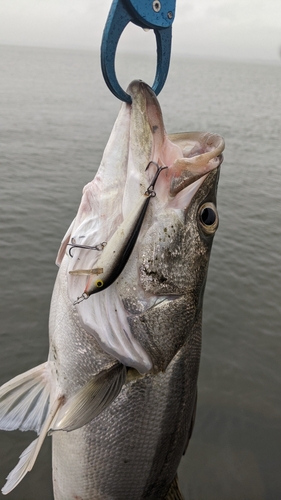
(150, 190)
(99, 247)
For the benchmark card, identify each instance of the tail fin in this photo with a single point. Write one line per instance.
(25, 405)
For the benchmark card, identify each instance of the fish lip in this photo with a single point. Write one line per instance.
(137, 86)
(202, 153)
(143, 97)
(217, 140)
(190, 178)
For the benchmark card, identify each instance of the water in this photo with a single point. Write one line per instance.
(55, 117)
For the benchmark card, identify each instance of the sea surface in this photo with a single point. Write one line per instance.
(56, 115)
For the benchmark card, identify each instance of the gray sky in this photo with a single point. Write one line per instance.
(240, 29)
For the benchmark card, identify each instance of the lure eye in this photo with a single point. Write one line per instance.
(208, 218)
(99, 283)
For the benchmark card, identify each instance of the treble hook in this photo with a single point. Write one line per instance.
(99, 247)
(150, 190)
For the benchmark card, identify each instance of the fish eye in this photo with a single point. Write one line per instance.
(208, 218)
(99, 283)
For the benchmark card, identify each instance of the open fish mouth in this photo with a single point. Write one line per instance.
(110, 210)
(188, 155)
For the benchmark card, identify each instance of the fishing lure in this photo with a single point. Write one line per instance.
(119, 248)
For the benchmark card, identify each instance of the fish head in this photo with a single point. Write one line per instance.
(163, 284)
(173, 250)
(167, 268)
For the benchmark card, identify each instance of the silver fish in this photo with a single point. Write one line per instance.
(118, 392)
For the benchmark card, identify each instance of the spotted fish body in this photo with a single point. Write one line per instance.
(118, 392)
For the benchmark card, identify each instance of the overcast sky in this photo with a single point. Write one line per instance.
(240, 29)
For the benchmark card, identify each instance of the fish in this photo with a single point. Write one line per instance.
(119, 389)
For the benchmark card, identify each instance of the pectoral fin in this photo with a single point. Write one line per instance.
(21, 469)
(91, 399)
(24, 400)
(29, 455)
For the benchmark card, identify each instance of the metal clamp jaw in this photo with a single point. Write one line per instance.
(156, 15)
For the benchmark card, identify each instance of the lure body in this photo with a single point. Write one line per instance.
(116, 253)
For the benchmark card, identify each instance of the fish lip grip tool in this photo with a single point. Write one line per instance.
(148, 14)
